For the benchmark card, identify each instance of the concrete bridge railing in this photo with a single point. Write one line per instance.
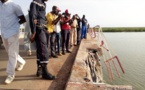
(86, 73)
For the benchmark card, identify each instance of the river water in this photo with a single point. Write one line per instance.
(130, 48)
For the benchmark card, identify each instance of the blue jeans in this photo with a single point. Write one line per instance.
(51, 37)
(84, 32)
(58, 36)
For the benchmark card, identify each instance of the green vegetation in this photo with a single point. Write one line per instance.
(123, 29)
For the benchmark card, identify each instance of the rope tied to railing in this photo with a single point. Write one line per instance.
(109, 55)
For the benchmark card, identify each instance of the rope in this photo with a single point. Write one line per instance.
(109, 55)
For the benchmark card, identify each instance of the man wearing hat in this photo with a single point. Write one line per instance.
(65, 33)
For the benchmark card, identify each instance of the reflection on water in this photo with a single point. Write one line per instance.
(130, 48)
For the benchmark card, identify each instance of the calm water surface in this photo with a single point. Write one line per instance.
(130, 48)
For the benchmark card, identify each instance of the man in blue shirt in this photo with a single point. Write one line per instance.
(84, 27)
(11, 16)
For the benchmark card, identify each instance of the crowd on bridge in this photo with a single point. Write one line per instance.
(54, 33)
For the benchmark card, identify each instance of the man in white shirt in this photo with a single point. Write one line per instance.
(58, 36)
(11, 16)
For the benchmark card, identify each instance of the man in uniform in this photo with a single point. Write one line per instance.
(38, 27)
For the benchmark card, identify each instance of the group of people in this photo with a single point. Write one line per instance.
(62, 31)
(52, 33)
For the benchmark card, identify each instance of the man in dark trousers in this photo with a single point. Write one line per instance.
(65, 33)
(52, 21)
(78, 29)
(38, 26)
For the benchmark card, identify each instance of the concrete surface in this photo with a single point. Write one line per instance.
(69, 69)
(79, 71)
(27, 80)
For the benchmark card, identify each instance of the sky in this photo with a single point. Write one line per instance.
(106, 13)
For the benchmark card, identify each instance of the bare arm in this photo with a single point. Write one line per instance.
(56, 20)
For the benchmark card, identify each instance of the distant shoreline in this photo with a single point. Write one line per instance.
(117, 29)
(123, 29)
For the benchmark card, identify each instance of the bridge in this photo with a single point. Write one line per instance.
(73, 71)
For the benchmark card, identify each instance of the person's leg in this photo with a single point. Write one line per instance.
(82, 33)
(42, 46)
(13, 50)
(63, 40)
(50, 41)
(19, 58)
(43, 53)
(12, 47)
(38, 59)
(85, 32)
(30, 47)
(21, 63)
(78, 35)
(58, 43)
(48, 44)
(67, 41)
(75, 36)
(5, 43)
(39, 50)
(27, 44)
(53, 44)
(39, 68)
(71, 37)
(10, 77)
